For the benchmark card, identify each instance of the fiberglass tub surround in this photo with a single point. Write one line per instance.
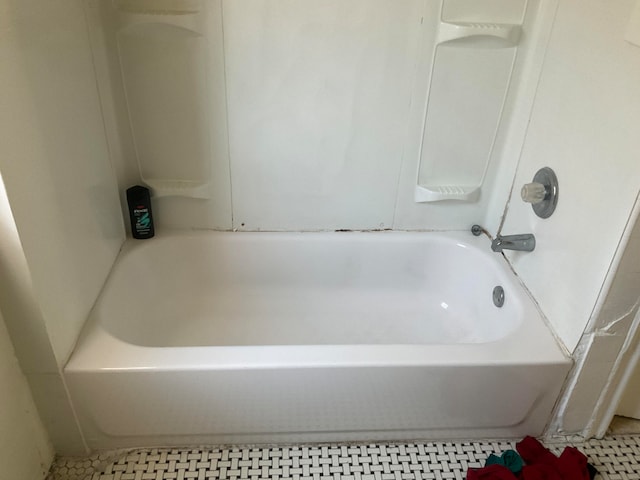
(210, 337)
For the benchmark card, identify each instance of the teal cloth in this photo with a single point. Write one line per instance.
(509, 459)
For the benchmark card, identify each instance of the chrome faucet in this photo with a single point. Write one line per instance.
(525, 242)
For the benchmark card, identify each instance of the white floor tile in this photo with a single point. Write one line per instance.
(616, 458)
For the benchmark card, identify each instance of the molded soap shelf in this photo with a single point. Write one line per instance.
(510, 34)
(178, 188)
(159, 7)
(425, 193)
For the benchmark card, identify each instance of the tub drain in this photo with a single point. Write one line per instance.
(498, 296)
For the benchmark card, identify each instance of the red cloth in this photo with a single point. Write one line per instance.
(539, 471)
(544, 465)
(572, 465)
(491, 472)
(533, 452)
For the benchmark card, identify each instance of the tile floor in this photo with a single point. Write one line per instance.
(615, 457)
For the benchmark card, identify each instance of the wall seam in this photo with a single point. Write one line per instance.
(226, 112)
(533, 102)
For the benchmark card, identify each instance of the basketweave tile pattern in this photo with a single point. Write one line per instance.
(616, 458)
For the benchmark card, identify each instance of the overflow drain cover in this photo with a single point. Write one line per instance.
(498, 296)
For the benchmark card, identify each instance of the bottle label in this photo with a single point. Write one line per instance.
(143, 222)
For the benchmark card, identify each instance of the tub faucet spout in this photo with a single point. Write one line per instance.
(525, 242)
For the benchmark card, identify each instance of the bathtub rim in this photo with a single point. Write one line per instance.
(531, 342)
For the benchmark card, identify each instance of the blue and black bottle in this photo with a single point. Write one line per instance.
(139, 202)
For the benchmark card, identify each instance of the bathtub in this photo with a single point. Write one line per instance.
(222, 337)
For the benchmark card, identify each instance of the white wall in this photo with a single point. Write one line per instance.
(25, 450)
(26, 325)
(585, 126)
(55, 161)
(60, 221)
(607, 344)
(325, 104)
(630, 402)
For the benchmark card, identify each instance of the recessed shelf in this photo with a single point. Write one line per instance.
(164, 73)
(470, 76)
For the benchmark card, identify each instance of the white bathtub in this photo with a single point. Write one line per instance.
(201, 338)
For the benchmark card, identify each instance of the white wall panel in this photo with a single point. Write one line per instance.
(326, 106)
(318, 96)
(55, 161)
(584, 126)
(25, 449)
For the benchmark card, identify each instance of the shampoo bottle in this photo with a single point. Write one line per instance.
(139, 202)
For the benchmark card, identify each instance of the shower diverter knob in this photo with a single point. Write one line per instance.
(533, 192)
(542, 193)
